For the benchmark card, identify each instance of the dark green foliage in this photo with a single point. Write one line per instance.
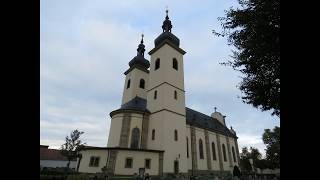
(254, 30)
(79, 177)
(272, 140)
(72, 146)
(53, 177)
(57, 171)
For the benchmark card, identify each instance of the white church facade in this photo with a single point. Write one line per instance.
(153, 130)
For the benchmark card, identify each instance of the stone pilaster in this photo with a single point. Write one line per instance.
(193, 148)
(161, 164)
(219, 153)
(144, 134)
(111, 161)
(229, 153)
(125, 130)
(237, 150)
(206, 135)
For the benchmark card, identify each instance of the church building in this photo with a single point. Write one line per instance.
(153, 131)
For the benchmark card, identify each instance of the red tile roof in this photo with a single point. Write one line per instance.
(51, 154)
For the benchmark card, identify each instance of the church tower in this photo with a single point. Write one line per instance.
(166, 100)
(136, 81)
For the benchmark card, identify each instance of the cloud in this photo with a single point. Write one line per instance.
(247, 140)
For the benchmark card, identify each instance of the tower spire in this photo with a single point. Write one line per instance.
(140, 50)
(166, 27)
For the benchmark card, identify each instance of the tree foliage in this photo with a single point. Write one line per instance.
(72, 145)
(245, 155)
(254, 30)
(272, 141)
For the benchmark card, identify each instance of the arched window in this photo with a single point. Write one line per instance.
(153, 134)
(157, 65)
(155, 95)
(175, 135)
(175, 64)
(175, 95)
(141, 85)
(224, 152)
(214, 157)
(201, 149)
(135, 136)
(128, 84)
(234, 155)
(187, 148)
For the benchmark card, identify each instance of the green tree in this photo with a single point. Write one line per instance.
(271, 138)
(72, 146)
(245, 155)
(254, 30)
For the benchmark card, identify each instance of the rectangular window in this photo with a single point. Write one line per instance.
(148, 163)
(94, 161)
(128, 163)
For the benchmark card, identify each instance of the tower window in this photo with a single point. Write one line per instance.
(128, 84)
(155, 95)
(175, 135)
(175, 95)
(157, 65)
(153, 134)
(224, 152)
(135, 136)
(142, 82)
(201, 149)
(175, 64)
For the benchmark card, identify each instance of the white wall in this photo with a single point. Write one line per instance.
(135, 75)
(115, 130)
(214, 163)
(156, 123)
(136, 122)
(138, 162)
(202, 163)
(226, 164)
(189, 160)
(174, 150)
(86, 155)
(166, 73)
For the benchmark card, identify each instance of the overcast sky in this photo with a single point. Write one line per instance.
(85, 47)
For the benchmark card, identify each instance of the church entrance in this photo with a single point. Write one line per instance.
(176, 167)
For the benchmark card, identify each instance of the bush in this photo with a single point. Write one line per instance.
(52, 177)
(78, 177)
(56, 171)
